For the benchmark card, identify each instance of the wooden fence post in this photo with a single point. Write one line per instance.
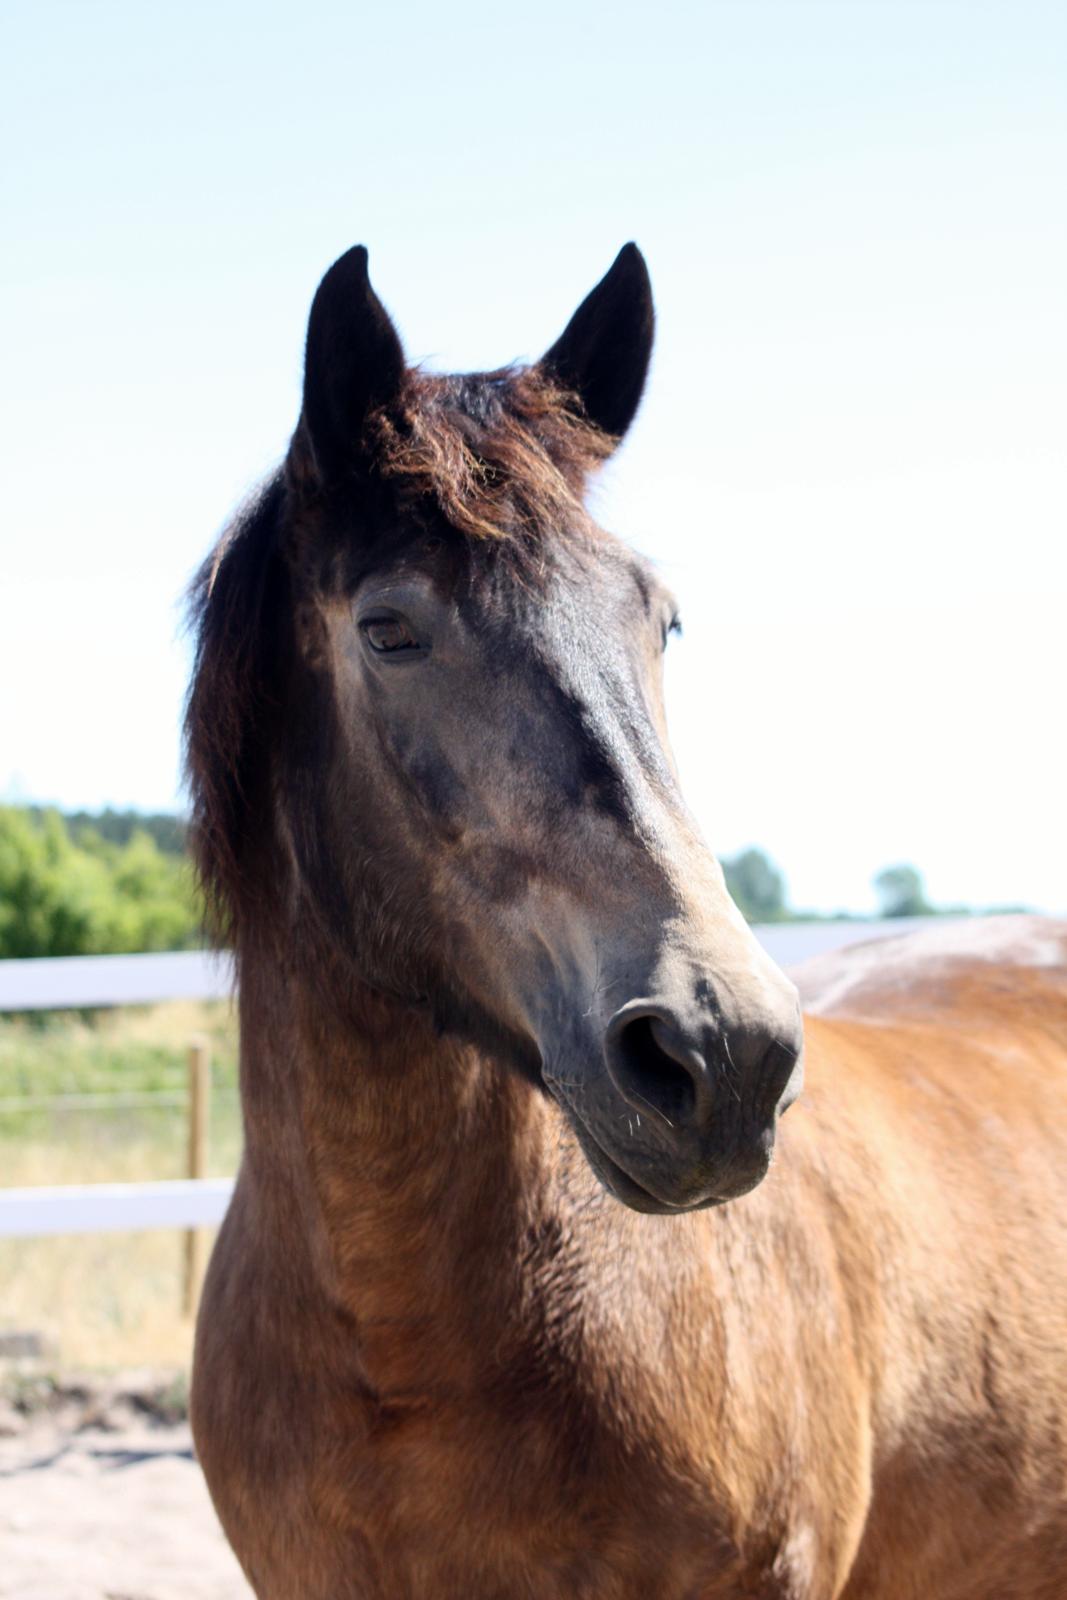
(199, 1109)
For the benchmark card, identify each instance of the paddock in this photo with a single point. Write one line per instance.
(101, 1499)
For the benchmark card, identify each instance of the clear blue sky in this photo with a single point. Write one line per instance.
(851, 457)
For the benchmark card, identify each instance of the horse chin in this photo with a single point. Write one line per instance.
(621, 1184)
(738, 1177)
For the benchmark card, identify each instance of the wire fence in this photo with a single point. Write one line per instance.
(120, 1100)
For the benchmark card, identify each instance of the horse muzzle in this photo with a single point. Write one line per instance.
(681, 1116)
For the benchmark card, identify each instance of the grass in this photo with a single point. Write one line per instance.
(106, 1300)
(129, 1048)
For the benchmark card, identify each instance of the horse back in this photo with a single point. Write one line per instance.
(1007, 969)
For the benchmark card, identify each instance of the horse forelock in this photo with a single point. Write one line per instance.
(504, 456)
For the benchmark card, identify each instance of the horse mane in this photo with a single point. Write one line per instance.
(240, 614)
(502, 456)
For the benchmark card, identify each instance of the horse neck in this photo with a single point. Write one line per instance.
(433, 1226)
(420, 1180)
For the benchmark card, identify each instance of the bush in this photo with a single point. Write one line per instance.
(62, 895)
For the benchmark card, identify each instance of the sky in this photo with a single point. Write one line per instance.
(850, 458)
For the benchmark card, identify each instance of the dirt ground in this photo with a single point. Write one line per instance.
(102, 1499)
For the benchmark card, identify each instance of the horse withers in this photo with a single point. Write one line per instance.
(503, 1306)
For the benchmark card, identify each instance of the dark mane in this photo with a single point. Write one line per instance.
(239, 612)
(502, 456)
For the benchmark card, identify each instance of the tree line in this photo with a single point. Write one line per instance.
(93, 885)
(758, 889)
(109, 882)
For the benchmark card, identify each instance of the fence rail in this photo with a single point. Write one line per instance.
(114, 1207)
(58, 983)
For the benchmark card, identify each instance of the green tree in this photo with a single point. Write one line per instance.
(901, 893)
(756, 886)
(61, 895)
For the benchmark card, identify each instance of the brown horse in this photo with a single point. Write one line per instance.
(489, 1318)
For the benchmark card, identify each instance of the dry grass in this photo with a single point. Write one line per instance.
(99, 1300)
(106, 1300)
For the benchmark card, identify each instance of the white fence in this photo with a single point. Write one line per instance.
(114, 1207)
(100, 981)
(56, 983)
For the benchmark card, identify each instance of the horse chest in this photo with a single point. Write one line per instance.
(462, 1506)
(529, 1490)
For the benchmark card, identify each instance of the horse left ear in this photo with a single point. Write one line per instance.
(354, 362)
(603, 353)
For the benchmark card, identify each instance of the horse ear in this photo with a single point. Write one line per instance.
(353, 363)
(604, 351)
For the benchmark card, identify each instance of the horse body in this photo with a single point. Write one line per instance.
(851, 1383)
(491, 986)
(948, 1051)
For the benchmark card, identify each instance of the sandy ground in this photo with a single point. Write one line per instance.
(102, 1500)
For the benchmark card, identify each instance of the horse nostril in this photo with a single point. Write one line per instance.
(782, 1074)
(654, 1069)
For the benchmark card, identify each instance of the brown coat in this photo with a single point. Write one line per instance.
(436, 1361)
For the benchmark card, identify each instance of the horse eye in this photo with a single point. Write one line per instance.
(674, 626)
(388, 634)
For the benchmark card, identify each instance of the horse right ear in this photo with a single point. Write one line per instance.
(604, 351)
(353, 363)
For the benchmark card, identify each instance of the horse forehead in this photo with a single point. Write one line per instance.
(587, 628)
(604, 582)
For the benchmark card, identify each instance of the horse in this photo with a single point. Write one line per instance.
(510, 1302)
